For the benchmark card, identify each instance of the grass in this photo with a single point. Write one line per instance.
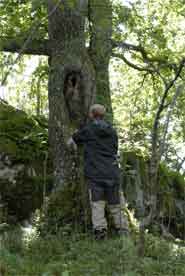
(80, 255)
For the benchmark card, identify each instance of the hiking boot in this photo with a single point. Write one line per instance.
(100, 234)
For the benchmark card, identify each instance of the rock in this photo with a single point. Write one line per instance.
(170, 192)
(23, 143)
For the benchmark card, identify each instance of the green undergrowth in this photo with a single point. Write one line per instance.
(80, 255)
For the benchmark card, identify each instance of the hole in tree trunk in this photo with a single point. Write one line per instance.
(74, 95)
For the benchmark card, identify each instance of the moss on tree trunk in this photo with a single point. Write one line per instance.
(74, 77)
(71, 82)
(100, 16)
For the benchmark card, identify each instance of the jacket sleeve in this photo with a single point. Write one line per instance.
(80, 137)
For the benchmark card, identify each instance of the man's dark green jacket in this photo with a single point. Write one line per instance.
(100, 142)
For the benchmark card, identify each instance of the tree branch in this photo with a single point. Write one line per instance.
(137, 48)
(167, 121)
(129, 63)
(34, 47)
(161, 106)
(128, 46)
(179, 166)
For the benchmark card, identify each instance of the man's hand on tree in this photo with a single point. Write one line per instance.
(71, 144)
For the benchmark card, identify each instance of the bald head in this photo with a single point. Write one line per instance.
(97, 111)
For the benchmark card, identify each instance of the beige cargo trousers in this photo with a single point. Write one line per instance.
(115, 208)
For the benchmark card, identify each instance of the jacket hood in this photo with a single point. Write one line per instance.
(102, 128)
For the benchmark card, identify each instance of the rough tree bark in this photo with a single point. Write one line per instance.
(71, 80)
(74, 76)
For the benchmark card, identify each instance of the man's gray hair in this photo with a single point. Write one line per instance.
(98, 110)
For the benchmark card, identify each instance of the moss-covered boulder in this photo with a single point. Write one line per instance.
(134, 180)
(170, 193)
(23, 156)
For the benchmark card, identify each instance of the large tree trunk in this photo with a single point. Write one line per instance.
(73, 77)
(71, 81)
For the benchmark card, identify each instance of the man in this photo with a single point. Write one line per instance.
(101, 170)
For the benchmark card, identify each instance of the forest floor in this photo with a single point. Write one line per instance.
(81, 255)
